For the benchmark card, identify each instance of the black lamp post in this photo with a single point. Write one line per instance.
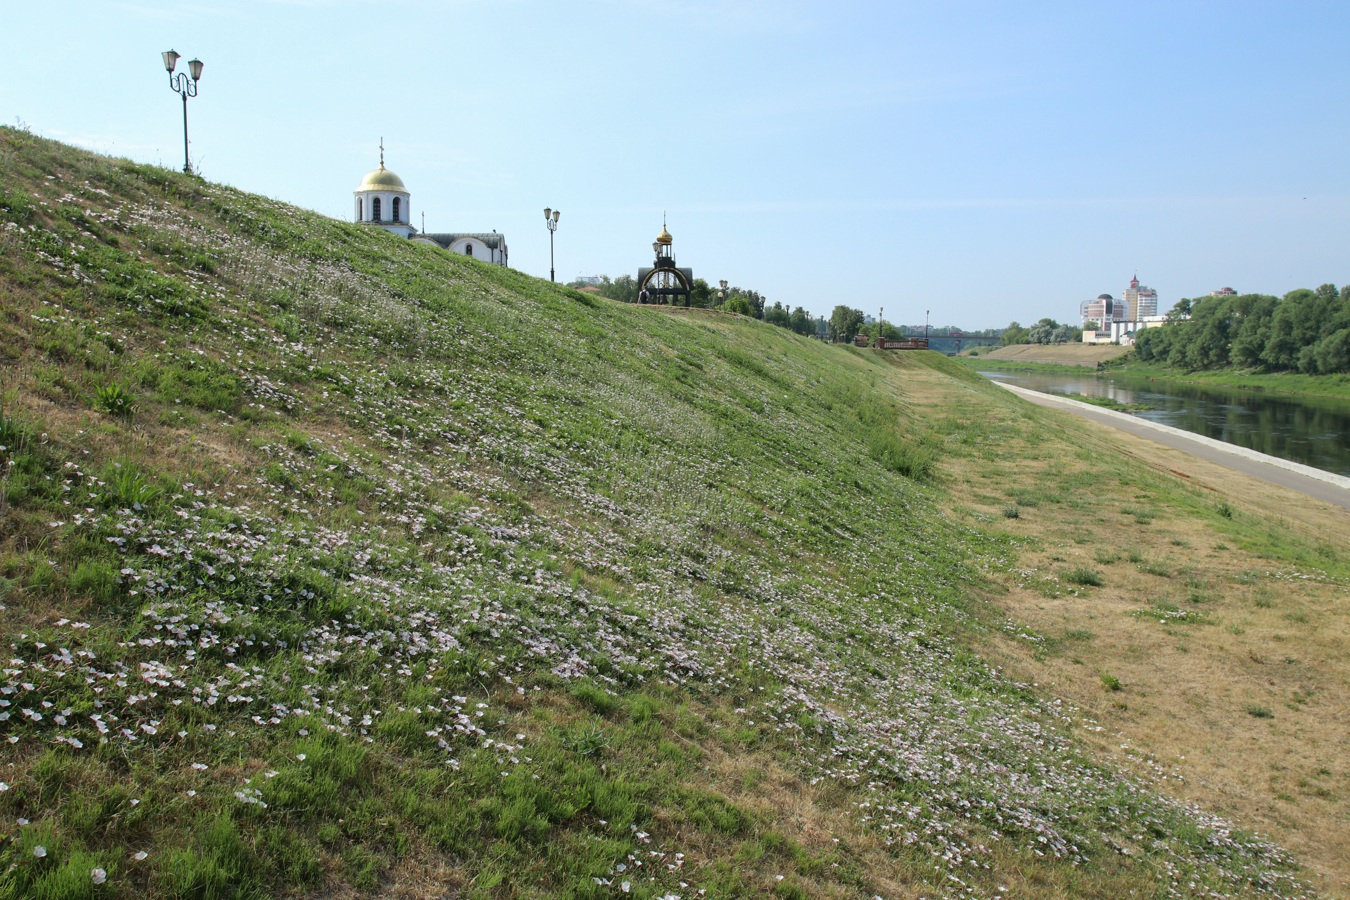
(722, 294)
(186, 88)
(551, 220)
(925, 328)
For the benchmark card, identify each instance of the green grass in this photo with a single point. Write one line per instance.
(332, 560)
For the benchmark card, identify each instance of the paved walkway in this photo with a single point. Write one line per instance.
(1325, 486)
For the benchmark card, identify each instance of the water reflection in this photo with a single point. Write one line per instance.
(1314, 431)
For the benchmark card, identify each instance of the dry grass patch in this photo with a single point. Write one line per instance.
(1231, 670)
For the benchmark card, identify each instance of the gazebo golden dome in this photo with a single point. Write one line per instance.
(664, 237)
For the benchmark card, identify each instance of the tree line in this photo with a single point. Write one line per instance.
(1046, 331)
(745, 301)
(1306, 331)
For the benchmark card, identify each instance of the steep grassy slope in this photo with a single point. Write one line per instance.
(333, 563)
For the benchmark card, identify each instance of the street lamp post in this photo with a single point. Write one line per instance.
(186, 88)
(551, 220)
(925, 328)
(722, 293)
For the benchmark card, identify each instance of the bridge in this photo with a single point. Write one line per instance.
(954, 342)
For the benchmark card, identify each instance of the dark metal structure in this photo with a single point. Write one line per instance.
(180, 84)
(551, 217)
(663, 281)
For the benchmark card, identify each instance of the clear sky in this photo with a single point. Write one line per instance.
(989, 161)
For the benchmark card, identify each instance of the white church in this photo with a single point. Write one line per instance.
(382, 200)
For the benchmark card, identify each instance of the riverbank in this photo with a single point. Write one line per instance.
(1277, 383)
(1116, 360)
(1055, 355)
(1187, 614)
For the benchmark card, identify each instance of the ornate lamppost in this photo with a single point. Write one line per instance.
(722, 294)
(925, 328)
(551, 220)
(186, 88)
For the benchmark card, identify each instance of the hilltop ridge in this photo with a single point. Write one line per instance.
(336, 564)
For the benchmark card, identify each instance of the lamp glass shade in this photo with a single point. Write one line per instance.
(656, 246)
(170, 59)
(548, 213)
(195, 67)
(556, 214)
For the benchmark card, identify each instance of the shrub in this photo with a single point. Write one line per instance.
(1259, 712)
(913, 459)
(1110, 682)
(127, 486)
(114, 400)
(1011, 511)
(1085, 575)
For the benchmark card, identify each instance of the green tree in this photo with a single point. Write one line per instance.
(700, 294)
(1180, 311)
(739, 305)
(776, 315)
(844, 323)
(1066, 334)
(624, 288)
(1043, 332)
(1154, 344)
(1014, 334)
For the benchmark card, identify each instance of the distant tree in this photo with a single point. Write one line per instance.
(1090, 325)
(1180, 310)
(1043, 332)
(739, 305)
(624, 288)
(1305, 331)
(700, 294)
(776, 315)
(1066, 334)
(1154, 344)
(844, 323)
(801, 322)
(1014, 334)
(1332, 353)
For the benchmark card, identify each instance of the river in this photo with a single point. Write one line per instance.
(1314, 431)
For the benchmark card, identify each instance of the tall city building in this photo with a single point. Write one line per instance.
(1140, 301)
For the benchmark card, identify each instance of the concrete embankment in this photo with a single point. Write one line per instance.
(1325, 486)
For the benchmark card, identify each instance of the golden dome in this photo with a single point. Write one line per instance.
(664, 237)
(382, 180)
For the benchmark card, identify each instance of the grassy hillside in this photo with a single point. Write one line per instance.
(333, 564)
(1090, 355)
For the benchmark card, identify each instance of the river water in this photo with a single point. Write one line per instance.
(1314, 431)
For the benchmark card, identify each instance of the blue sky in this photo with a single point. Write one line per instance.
(987, 161)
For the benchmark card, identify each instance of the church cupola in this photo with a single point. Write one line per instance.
(383, 200)
(662, 246)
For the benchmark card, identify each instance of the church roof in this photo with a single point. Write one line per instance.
(445, 239)
(382, 180)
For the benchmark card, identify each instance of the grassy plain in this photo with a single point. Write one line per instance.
(1057, 355)
(333, 565)
(1210, 649)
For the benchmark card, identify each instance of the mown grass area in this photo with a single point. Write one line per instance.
(1192, 618)
(335, 565)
